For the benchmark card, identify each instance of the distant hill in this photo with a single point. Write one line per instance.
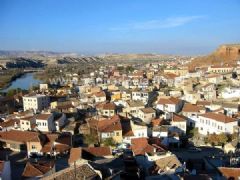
(132, 57)
(5, 53)
(225, 54)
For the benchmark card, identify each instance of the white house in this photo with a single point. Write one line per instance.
(160, 131)
(210, 123)
(43, 87)
(27, 123)
(191, 111)
(230, 93)
(132, 108)
(139, 130)
(146, 114)
(36, 102)
(169, 104)
(99, 97)
(179, 123)
(45, 122)
(140, 95)
(214, 78)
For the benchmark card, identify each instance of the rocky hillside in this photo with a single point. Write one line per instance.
(225, 54)
(21, 63)
(40, 62)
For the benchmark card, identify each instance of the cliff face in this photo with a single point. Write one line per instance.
(225, 54)
(231, 52)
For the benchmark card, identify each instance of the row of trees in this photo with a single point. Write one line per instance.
(220, 139)
(213, 139)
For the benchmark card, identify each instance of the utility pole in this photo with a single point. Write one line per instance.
(75, 171)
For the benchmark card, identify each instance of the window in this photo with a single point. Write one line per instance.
(33, 147)
(117, 133)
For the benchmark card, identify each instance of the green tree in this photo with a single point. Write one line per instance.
(222, 138)
(232, 137)
(193, 132)
(217, 139)
(90, 139)
(109, 142)
(129, 69)
(12, 92)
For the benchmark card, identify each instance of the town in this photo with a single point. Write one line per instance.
(145, 120)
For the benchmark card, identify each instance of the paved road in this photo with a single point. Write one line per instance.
(184, 154)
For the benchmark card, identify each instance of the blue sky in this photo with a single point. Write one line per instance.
(123, 26)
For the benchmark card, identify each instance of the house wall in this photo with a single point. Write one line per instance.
(181, 126)
(168, 107)
(100, 99)
(133, 110)
(107, 112)
(45, 125)
(159, 134)
(25, 125)
(146, 117)
(35, 102)
(116, 135)
(211, 126)
(34, 147)
(6, 172)
(139, 131)
(142, 96)
(16, 146)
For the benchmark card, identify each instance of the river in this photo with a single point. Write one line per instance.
(24, 82)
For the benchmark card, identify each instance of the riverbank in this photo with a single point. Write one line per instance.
(22, 80)
(8, 76)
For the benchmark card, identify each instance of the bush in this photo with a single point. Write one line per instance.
(90, 139)
(109, 142)
(217, 139)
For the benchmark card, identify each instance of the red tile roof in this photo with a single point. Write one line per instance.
(43, 116)
(148, 110)
(169, 100)
(230, 172)
(157, 122)
(29, 118)
(192, 108)
(98, 151)
(178, 118)
(203, 103)
(19, 136)
(170, 76)
(106, 106)
(100, 94)
(219, 117)
(9, 123)
(140, 146)
(37, 169)
(110, 125)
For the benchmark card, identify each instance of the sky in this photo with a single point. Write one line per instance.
(184, 27)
